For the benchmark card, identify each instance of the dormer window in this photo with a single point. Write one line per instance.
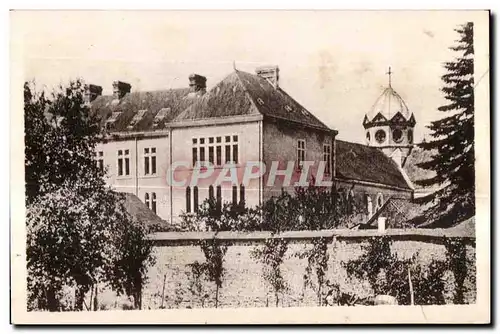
(111, 121)
(160, 116)
(137, 118)
(288, 108)
(260, 101)
(305, 113)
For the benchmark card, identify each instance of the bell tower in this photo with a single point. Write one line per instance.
(389, 124)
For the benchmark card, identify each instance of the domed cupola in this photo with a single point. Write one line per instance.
(389, 124)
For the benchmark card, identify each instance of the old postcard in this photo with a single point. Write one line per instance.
(250, 167)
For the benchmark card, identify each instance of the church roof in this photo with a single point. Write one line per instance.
(364, 163)
(242, 93)
(388, 105)
(141, 111)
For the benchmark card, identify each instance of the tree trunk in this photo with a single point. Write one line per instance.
(96, 301)
(216, 296)
(79, 298)
(52, 303)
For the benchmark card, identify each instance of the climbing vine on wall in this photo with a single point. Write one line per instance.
(317, 266)
(405, 279)
(271, 255)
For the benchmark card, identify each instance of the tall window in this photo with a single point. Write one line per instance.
(219, 198)
(217, 150)
(149, 160)
(242, 194)
(369, 205)
(150, 200)
(153, 202)
(195, 151)
(301, 152)
(123, 162)
(211, 192)
(100, 160)
(235, 195)
(327, 157)
(380, 201)
(188, 199)
(195, 199)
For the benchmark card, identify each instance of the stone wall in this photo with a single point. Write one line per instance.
(171, 282)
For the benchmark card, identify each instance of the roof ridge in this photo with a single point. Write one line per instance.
(248, 95)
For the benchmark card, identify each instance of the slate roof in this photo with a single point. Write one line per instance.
(239, 92)
(364, 163)
(138, 210)
(400, 213)
(388, 105)
(414, 172)
(172, 101)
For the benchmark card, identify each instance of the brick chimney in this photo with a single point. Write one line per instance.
(92, 92)
(198, 84)
(270, 73)
(120, 89)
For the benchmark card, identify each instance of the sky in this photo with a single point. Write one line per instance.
(333, 62)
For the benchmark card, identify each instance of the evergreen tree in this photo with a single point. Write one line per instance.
(453, 141)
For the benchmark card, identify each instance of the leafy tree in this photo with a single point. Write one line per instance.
(453, 141)
(79, 232)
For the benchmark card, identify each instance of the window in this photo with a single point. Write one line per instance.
(149, 160)
(397, 135)
(123, 162)
(380, 201)
(369, 205)
(188, 199)
(217, 150)
(153, 202)
(301, 151)
(211, 192)
(195, 199)
(100, 160)
(380, 136)
(150, 200)
(327, 157)
(242, 194)
(367, 136)
(410, 136)
(235, 195)
(260, 101)
(219, 198)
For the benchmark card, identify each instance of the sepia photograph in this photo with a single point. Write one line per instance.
(250, 166)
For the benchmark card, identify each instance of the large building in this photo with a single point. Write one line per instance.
(154, 143)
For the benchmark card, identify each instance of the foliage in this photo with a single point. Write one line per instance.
(134, 257)
(212, 216)
(317, 265)
(456, 254)
(60, 136)
(198, 272)
(214, 251)
(389, 275)
(78, 231)
(453, 141)
(271, 255)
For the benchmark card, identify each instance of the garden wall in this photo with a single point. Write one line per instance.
(171, 283)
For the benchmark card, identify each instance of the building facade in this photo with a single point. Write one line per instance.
(175, 148)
